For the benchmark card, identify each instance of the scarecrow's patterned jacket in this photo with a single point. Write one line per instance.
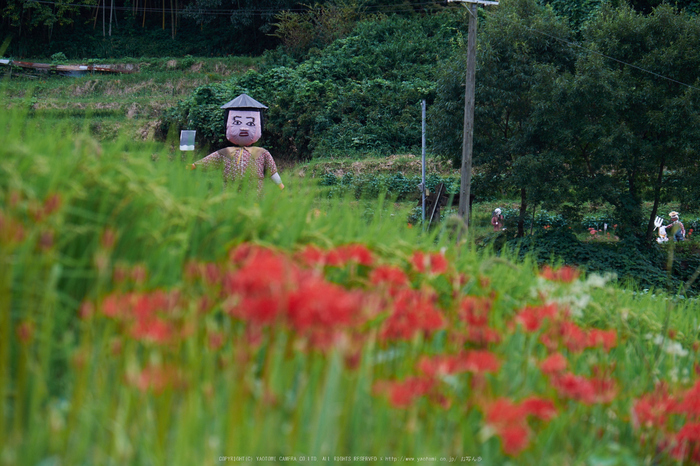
(237, 161)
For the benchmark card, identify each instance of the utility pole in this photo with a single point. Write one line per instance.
(422, 184)
(468, 135)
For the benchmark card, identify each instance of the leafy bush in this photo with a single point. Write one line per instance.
(59, 57)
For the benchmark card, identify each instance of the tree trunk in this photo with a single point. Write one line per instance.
(97, 13)
(111, 10)
(523, 209)
(172, 20)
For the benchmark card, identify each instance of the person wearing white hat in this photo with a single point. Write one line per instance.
(675, 228)
(497, 220)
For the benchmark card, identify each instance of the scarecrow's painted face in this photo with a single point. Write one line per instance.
(243, 127)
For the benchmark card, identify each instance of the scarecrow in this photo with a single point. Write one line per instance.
(497, 220)
(675, 228)
(244, 124)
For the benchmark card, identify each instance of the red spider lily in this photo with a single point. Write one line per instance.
(565, 274)
(342, 255)
(138, 274)
(353, 253)
(317, 303)
(312, 256)
(212, 274)
(215, 340)
(245, 252)
(482, 336)
(11, 231)
(116, 305)
(86, 310)
(687, 445)
(46, 240)
(539, 407)
(475, 310)
(479, 361)
(576, 339)
(108, 238)
(504, 411)
(262, 271)
(651, 410)
(141, 311)
(532, 317)
(152, 378)
(432, 263)
(413, 311)
(120, 274)
(259, 288)
(152, 330)
(25, 332)
(509, 420)
(389, 275)
(605, 338)
(554, 364)
(573, 337)
(205, 304)
(515, 439)
(260, 309)
(403, 393)
(440, 365)
(588, 391)
(689, 403)
(471, 361)
(52, 203)
(144, 306)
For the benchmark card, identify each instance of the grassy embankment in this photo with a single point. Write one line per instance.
(124, 104)
(147, 317)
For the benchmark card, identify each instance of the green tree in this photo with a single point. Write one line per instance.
(512, 58)
(623, 117)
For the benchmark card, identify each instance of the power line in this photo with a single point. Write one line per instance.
(574, 44)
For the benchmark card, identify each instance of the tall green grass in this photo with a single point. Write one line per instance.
(82, 221)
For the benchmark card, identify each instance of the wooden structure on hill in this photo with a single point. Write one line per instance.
(33, 69)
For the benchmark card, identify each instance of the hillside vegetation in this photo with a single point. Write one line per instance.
(124, 104)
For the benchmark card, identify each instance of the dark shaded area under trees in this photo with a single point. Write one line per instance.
(83, 29)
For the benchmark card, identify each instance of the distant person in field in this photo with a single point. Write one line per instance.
(675, 229)
(497, 220)
(244, 124)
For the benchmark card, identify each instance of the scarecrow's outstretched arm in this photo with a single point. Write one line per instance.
(272, 167)
(212, 160)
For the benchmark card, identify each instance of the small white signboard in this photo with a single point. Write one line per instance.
(187, 139)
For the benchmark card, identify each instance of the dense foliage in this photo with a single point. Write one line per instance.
(602, 111)
(610, 118)
(360, 95)
(137, 28)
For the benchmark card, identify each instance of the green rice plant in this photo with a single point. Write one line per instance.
(149, 315)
